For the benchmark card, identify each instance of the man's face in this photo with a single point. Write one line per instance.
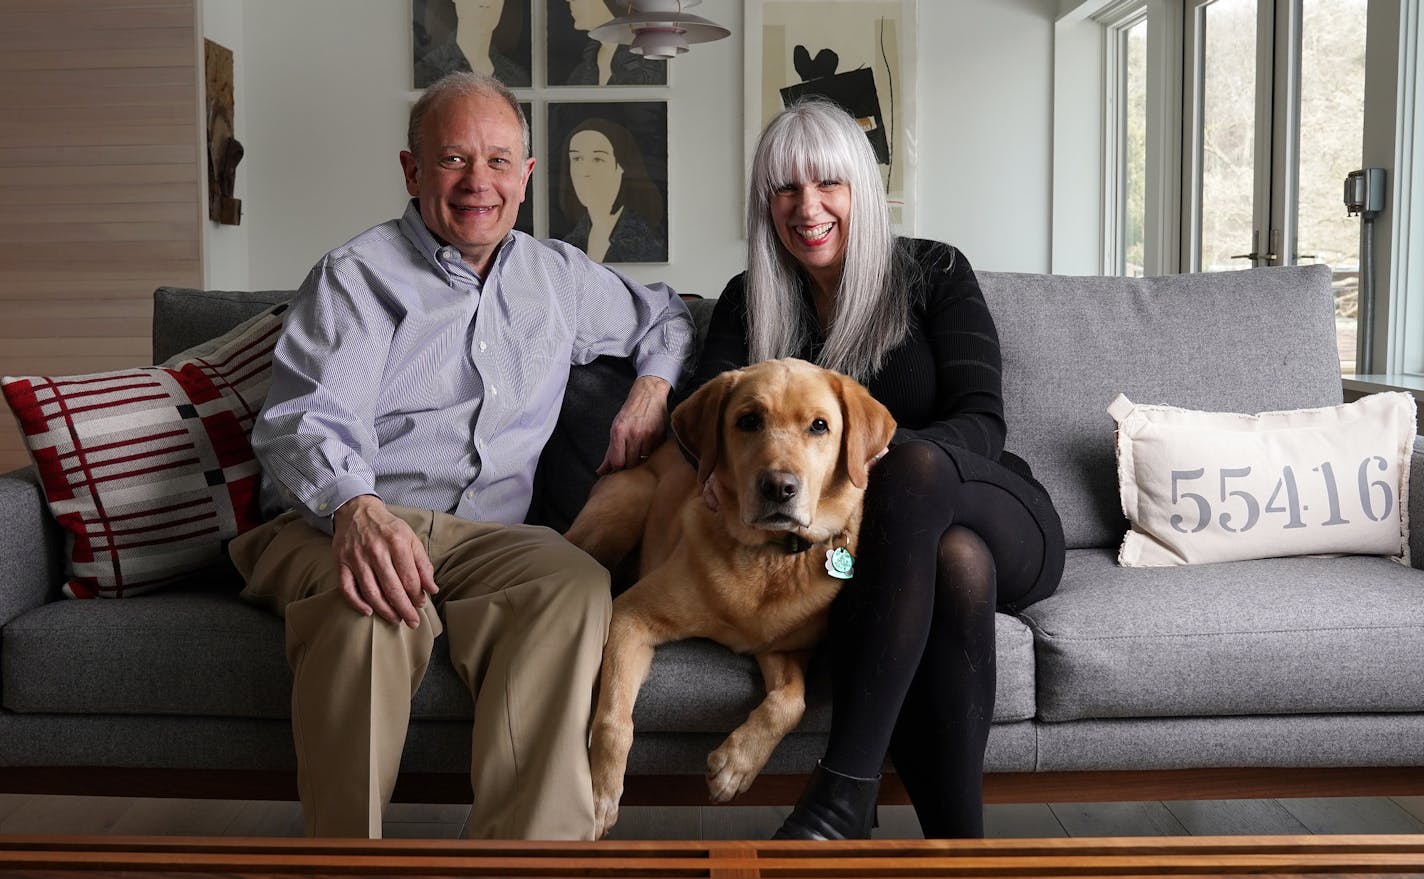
(470, 175)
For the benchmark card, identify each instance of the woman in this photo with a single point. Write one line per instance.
(608, 196)
(953, 526)
(604, 63)
(487, 36)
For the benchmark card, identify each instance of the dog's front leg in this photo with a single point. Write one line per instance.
(737, 761)
(627, 656)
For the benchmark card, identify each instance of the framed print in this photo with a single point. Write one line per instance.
(858, 53)
(525, 221)
(491, 36)
(607, 179)
(574, 58)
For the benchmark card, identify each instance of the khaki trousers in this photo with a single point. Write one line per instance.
(526, 613)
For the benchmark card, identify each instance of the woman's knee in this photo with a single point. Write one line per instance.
(917, 460)
(967, 567)
(960, 548)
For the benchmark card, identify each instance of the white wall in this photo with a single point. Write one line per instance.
(325, 87)
(986, 136)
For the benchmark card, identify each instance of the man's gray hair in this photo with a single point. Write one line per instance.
(463, 84)
(812, 140)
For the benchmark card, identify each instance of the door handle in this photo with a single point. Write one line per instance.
(1255, 255)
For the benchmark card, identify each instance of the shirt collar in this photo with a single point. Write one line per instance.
(442, 257)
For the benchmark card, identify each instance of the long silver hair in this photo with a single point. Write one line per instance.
(814, 140)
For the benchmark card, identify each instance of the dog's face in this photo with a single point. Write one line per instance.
(789, 442)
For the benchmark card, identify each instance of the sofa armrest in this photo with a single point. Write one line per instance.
(31, 546)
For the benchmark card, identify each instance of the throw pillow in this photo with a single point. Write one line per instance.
(1212, 486)
(149, 471)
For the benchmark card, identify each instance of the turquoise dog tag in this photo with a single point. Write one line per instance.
(840, 563)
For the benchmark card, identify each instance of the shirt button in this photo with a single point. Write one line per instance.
(321, 507)
(483, 346)
(470, 495)
(494, 391)
(449, 253)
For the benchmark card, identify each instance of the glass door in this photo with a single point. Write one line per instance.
(1274, 92)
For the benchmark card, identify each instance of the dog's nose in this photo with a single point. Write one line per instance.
(778, 486)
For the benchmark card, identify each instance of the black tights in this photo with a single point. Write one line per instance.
(912, 635)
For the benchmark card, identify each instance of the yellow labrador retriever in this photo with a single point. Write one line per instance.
(786, 446)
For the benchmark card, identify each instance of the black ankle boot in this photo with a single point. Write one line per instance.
(833, 806)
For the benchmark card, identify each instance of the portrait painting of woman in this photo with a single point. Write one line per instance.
(608, 176)
(575, 58)
(486, 36)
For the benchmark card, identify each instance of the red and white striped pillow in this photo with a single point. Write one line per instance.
(149, 471)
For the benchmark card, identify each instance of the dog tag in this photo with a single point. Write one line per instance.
(840, 563)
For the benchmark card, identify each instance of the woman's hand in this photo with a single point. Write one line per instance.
(639, 426)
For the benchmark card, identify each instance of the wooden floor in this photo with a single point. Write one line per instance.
(27, 815)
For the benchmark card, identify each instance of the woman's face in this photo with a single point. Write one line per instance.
(597, 176)
(812, 220)
(481, 15)
(588, 14)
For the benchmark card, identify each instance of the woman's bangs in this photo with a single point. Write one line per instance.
(802, 155)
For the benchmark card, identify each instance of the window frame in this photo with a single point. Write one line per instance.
(1394, 109)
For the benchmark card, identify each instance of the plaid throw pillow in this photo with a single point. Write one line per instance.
(149, 471)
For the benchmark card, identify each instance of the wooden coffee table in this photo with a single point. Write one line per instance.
(55, 857)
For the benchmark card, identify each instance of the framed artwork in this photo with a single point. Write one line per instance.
(858, 53)
(525, 221)
(607, 179)
(492, 36)
(224, 149)
(574, 58)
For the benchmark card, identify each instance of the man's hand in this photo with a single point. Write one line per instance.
(639, 426)
(384, 569)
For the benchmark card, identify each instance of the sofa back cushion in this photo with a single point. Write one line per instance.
(184, 317)
(1247, 341)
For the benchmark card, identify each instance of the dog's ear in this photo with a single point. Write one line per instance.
(868, 428)
(697, 421)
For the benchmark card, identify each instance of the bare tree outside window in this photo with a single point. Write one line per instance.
(1332, 122)
(1228, 134)
(1331, 132)
(1135, 159)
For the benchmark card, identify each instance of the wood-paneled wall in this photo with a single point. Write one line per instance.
(100, 176)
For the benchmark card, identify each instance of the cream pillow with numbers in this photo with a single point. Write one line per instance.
(1216, 486)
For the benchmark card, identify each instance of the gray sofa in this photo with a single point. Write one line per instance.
(1266, 670)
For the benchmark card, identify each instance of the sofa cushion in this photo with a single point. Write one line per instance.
(1248, 341)
(1217, 486)
(184, 317)
(149, 470)
(1279, 636)
(203, 651)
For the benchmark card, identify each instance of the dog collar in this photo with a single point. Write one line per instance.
(795, 543)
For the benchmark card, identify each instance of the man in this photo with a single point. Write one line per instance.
(419, 374)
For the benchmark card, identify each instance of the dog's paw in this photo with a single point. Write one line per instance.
(729, 773)
(605, 812)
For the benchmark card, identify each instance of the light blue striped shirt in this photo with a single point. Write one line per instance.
(400, 373)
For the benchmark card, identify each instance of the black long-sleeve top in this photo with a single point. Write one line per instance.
(942, 382)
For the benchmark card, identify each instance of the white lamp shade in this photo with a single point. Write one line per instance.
(659, 5)
(658, 34)
(658, 43)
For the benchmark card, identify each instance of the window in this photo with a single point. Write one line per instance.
(1126, 136)
(1275, 93)
(1228, 127)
